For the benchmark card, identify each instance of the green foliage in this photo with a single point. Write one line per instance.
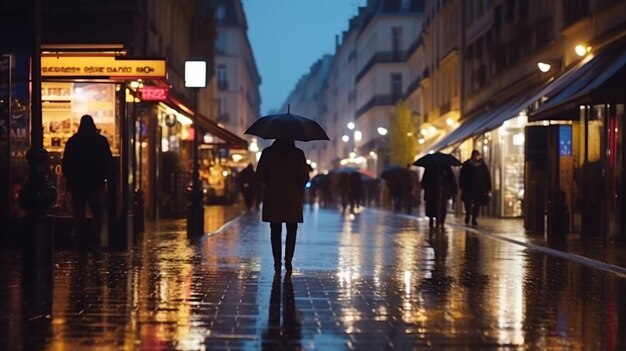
(403, 145)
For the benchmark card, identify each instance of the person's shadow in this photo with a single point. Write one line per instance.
(288, 335)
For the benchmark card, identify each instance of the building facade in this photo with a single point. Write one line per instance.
(540, 100)
(368, 75)
(237, 79)
(146, 117)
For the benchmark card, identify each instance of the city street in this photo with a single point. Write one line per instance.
(370, 281)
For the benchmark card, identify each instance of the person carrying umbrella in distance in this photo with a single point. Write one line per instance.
(284, 171)
(439, 185)
(475, 183)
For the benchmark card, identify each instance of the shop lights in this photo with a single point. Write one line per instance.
(254, 145)
(449, 121)
(582, 50)
(350, 125)
(345, 138)
(543, 66)
(382, 131)
(358, 136)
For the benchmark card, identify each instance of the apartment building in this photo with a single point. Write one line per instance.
(541, 99)
(309, 100)
(237, 78)
(368, 74)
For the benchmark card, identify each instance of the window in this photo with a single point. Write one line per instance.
(396, 85)
(222, 80)
(220, 15)
(396, 39)
(220, 44)
(406, 4)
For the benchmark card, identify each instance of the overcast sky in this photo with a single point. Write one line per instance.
(288, 36)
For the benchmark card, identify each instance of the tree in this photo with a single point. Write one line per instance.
(403, 143)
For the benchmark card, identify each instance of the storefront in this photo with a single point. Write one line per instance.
(74, 84)
(585, 147)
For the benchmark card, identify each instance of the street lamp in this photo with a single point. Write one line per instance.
(38, 193)
(195, 79)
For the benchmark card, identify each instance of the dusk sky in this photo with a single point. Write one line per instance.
(288, 36)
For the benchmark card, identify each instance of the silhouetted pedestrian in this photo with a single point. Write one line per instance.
(87, 163)
(247, 186)
(356, 191)
(344, 190)
(439, 186)
(475, 184)
(398, 181)
(283, 170)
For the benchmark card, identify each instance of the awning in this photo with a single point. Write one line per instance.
(580, 80)
(231, 140)
(587, 86)
(489, 120)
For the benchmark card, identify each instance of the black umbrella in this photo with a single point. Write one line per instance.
(394, 173)
(437, 159)
(287, 126)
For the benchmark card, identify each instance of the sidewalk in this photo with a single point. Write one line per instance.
(370, 281)
(610, 257)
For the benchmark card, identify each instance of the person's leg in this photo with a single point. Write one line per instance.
(475, 211)
(443, 211)
(79, 203)
(469, 210)
(290, 244)
(275, 233)
(95, 199)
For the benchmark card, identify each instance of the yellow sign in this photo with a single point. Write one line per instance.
(102, 67)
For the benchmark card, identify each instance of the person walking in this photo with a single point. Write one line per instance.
(439, 186)
(246, 186)
(283, 170)
(87, 163)
(475, 184)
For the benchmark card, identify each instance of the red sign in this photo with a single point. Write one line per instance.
(153, 93)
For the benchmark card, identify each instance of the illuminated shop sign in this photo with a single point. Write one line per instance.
(154, 93)
(102, 66)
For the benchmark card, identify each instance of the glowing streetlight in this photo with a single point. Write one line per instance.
(350, 125)
(382, 131)
(195, 79)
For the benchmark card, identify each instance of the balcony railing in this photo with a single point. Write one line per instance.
(378, 100)
(382, 57)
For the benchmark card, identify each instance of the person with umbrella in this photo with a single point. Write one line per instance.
(284, 172)
(439, 185)
(475, 184)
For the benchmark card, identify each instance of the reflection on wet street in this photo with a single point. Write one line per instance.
(370, 281)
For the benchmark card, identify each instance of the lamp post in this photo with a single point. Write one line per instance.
(38, 193)
(195, 79)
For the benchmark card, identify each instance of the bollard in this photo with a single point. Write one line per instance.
(557, 220)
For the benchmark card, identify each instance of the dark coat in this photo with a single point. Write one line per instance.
(438, 183)
(474, 180)
(247, 179)
(284, 171)
(87, 160)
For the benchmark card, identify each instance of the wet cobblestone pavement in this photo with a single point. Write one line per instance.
(370, 281)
